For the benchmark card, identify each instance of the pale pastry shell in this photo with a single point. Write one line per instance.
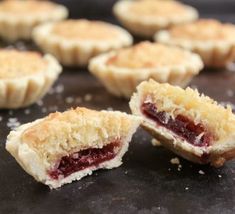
(122, 82)
(24, 91)
(76, 52)
(213, 53)
(13, 28)
(144, 26)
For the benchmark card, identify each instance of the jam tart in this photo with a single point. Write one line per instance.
(64, 147)
(25, 77)
(212, 40)
(146, 17)
(192, 125)
(18, 18)
(74, 42)
(122, 70)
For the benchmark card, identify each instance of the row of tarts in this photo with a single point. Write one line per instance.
(63, 147)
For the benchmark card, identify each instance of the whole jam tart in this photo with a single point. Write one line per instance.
(122, 70)
(74, 42)
(212, 40)
(25, 77)
(192, 125)
(146, 17)
(18, 18)
(64, 147)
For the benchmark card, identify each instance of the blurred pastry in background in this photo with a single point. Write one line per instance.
(211, 39)
(122, 70)
(190, 124)
(74, 42)
(25, 77)
(146, 17)
(64, 147)
(18, 18)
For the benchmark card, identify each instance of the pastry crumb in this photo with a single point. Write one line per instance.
(88, 97)
(40, 102)
(220, 176)
(109, 109)
(13, 123)
(155, 142)
(201, 172)
(230, 93)
(44, 110)
(69, 100)
(175, 161)
(186, 188)
(78, 100)
(27, 111)
(59, 88)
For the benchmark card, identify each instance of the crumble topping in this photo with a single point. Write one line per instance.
(149, 55)
(157, 8)
(204, 29)
(15, 64)
(85, 30)
(29, 7)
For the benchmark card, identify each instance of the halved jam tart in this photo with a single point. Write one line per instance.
(192, 125)
(67, 146)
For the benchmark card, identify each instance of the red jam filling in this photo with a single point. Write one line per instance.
(84, 159)
(195, 134)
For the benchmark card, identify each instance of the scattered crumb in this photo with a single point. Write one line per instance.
(78, 100)
(175, 161)
(44, 110)
(201, 172)
(69, 99)
(169, 169)
(88, 97)
(220, 176)
(59, 88)
(109, 109)
(10, 112)
(230, 93)
(27, 111)
(53, 108)
(13, 123)
(155, 142)
(186, 188)
(126, 172)
(40, 102)
(0, 118)
(179, 167)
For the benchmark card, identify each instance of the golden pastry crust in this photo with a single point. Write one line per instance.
(61, 134)
(146, 17)
(123, 70)
(215, 43)
(198, 108)
(74, 42)
(18, 18)
(25, 77)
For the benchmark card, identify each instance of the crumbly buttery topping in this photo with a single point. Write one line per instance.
(157, 8)
(204, 30)
(85, 30)
(29, 7)
(15, 64)
(61, 134)
(200, 108)
(149, 55)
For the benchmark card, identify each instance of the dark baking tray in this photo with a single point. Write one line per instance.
(146, 182)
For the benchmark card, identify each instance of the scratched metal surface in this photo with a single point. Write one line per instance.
(146, 182)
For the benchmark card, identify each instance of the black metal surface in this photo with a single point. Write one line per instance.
(146, 182)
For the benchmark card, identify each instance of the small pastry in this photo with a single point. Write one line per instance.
(74, 42)
(192, 125)
(121, 71)
(64, 147)
(211, 39)
(146, 17)
(18, 18)
(25, 77)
